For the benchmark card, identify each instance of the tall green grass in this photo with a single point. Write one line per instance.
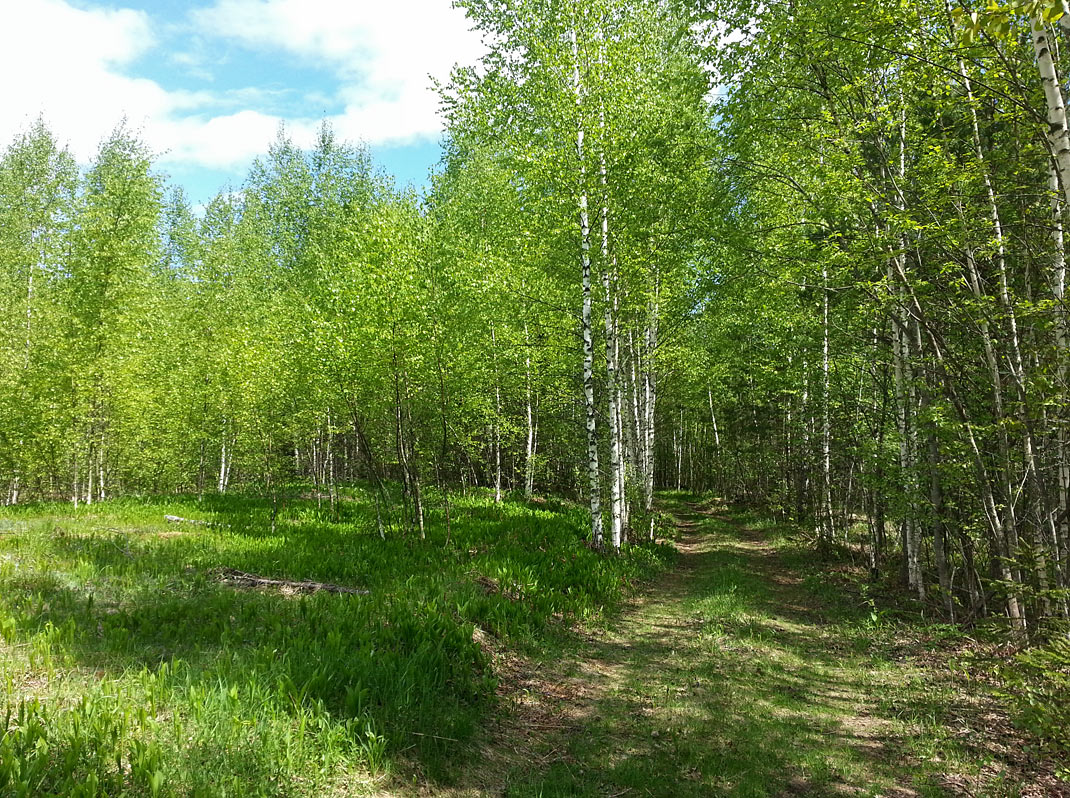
(127, 667)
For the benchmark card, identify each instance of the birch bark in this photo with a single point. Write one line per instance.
(497, 421)
(1058, 280)
(615, 482)
(827, 532)
(650, 396)
(593, 475)
(905, 390)
(1058, 134)
(529, 450)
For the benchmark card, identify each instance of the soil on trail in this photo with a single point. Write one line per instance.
(742, 672)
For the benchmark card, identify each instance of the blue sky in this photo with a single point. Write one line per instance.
(208, 83)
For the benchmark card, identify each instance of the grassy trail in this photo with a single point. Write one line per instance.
(743, 673)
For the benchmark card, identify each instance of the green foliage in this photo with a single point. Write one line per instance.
(832, 287)
(1037, 684)
(155, 678)
(997, 20)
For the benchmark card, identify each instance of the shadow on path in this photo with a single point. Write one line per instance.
(724, 679)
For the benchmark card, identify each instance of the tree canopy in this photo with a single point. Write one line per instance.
(805, 255)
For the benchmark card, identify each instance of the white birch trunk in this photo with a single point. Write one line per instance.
(224, 462)
(678, 442)
(100, 469)
(1058, 135)
(1058, 280)
(1001, 524)
(635, 403)
(649, 404)
(529, 446)
(805, 416)
(915, 577)
(902, 377)
(906, 397)
(332, 490)
(89, 476)
(593, 475)
(713, 419)
(622, 459)
(973, 275)
(616, 514)
(497, 421)
(826, 427)
(29, 315)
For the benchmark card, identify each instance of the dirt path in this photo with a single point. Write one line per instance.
(738, 674)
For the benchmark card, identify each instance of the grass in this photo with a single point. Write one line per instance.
(751, 669)
(128, 668)
(757, 670)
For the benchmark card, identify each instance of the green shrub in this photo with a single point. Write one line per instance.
(1038, 685)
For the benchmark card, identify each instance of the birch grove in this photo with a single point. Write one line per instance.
(667, 247)
(925, 184)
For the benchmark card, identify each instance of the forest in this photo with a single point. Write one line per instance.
(743, 305)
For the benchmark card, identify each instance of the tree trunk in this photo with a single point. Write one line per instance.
(1001, 525)
(1058, 135)
(616, 494)
(529, 447)
(496, 429)
(1058, 281)
(649, 403)
(593, 476)
(827, 532)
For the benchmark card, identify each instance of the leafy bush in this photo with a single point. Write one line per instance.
(1038, 685)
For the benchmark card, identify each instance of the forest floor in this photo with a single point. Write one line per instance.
(141, 657)
(221, 654)
(752, 670)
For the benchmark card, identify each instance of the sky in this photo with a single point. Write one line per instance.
(207, 83)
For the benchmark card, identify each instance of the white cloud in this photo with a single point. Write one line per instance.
(382, 51)
(67, 64)
(220, 141)
(62, 62)
(77, 67)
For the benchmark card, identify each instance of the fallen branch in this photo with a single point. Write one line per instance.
(492, 587)
(234, 578)
(177, 519)
(421, 734)
(124, 551)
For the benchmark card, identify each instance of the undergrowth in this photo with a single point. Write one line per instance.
(128, 668)
(1037, 685)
